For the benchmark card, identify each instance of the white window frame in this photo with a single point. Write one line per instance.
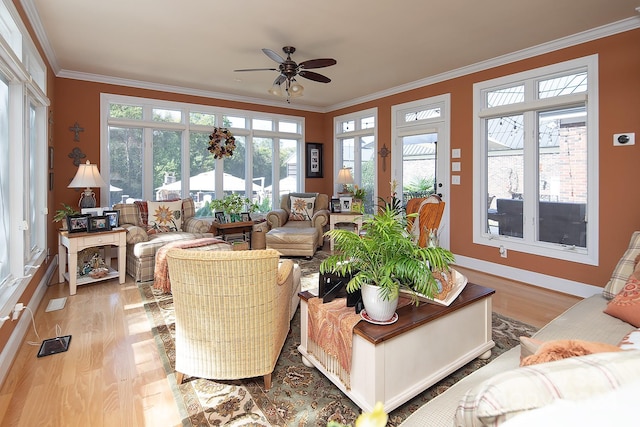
(147, 124)
(357, 133)
(587, 255)
(25, 71)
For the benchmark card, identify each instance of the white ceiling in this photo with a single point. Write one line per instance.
(193, 46)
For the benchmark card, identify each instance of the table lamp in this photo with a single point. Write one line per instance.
(87, 176)
(345, 178)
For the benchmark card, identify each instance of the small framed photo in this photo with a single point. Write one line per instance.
(335, 206)
(91, 211)
(221, 218)
(345, 204)
(99, 223)
(77, 223)
(114, 217)
(246, 217)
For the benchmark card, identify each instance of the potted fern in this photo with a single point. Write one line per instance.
(384, 260)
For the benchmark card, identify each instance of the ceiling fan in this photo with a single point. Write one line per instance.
(289, 70)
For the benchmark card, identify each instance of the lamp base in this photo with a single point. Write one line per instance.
(87, 199)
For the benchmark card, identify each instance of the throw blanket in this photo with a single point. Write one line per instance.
(331, 335)
(161, 269)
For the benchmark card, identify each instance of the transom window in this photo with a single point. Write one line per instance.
(535, 166)
(150, 146)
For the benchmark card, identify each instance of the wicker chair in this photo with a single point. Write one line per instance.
(233, 310)
(430, 210)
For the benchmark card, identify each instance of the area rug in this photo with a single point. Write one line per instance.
(299, 396)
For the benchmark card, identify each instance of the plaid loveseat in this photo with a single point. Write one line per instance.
(142, 247)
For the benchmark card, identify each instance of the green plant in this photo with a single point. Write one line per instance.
(61, 214)
(233, 203)
(386, 256)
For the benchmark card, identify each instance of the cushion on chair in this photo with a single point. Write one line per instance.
(624, 268)
(165, 216)
(301, 208)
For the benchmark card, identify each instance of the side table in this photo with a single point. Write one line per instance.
(245, 228)
(70, 243)
(354, 218)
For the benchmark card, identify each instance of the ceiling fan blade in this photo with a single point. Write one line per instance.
(318, 63)
(271, 54)
(279, 80)
(314, 76)
(258, 69)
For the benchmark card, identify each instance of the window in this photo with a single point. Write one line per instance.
(152, 145)
(23, 185)
(536, 180)
(356, 148)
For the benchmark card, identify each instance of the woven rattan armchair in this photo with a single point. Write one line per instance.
(232, 312)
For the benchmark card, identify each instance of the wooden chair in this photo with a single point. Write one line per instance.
(232, 312)
(430, 210)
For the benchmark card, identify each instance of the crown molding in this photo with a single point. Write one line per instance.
(573, 40)
(140, 84)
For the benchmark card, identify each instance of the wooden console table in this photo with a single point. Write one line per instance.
(72, 243)
(392, 364)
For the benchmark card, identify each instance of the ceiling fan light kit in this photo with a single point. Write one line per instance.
(289, 70)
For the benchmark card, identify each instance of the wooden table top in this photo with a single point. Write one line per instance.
(411, 316)
(229, 225)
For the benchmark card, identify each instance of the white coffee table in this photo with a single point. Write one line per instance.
(392, 364)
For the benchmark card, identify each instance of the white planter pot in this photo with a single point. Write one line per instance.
(377, 307)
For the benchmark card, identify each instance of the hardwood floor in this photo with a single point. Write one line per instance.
(112, 374)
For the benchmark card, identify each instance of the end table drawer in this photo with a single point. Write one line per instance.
(100, 239)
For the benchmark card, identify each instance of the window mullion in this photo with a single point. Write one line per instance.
(530, 178)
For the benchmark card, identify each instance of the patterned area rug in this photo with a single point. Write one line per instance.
(300, 396)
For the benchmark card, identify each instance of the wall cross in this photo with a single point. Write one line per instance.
(76, 129)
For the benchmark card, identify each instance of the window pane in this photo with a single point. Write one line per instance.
(33, 229)
(5, 218)
(288, 127)
(505, 175)
(167, 116)
(348, 126)
(289, 154)
(125, 158)
(260, 124)
(367, 172)
(565, 85)
(202, 119)
(167, 164)
(202, 166)
(234, 169)
(422, 115)
(418, 165)
(125, 111)
(562, 142)
(262, 172)
(506, 96)
(368, 123)
(235, 122)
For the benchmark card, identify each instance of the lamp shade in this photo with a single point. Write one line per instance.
(87, 176)
(344, 177)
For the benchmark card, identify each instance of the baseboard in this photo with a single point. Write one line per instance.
(16, 339)
(529, 277)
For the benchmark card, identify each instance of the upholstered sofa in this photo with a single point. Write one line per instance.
(143, 240)
(502, 392)
(297, 229)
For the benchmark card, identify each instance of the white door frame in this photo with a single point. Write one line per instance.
(439, 125)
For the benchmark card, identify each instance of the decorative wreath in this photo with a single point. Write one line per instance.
(221, 143)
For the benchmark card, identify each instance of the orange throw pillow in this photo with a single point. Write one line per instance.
(626, 305)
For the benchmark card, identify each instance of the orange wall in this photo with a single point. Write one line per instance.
(619, 109)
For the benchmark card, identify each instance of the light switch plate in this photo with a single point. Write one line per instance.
(455, 179)
(455, 153)
(455, 166)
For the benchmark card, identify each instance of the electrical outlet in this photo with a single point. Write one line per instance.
(503, 251)
(16, 310)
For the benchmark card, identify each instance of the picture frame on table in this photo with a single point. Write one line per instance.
(313, 160)
(245, 217)
(99, 223)
(345, 203)
(114, 217)
(335, 205)
(91, 211)
(221, 218)
(78, 223)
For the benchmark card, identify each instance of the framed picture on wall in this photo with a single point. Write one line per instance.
(314, 160)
